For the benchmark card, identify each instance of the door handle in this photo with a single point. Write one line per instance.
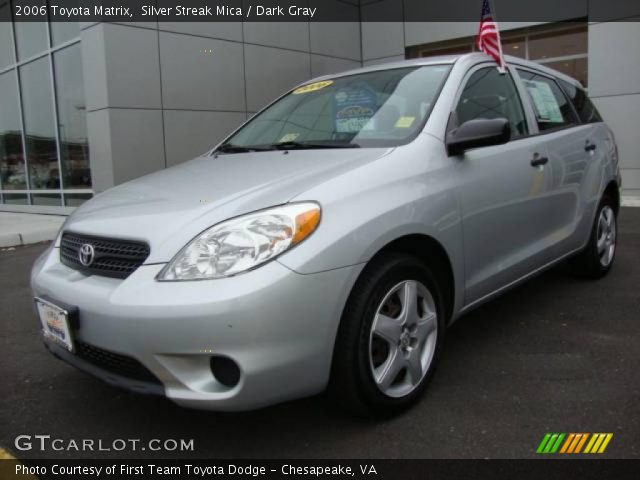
(590, 147)
(539, 161)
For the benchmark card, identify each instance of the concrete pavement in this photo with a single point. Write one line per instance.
(26, 228)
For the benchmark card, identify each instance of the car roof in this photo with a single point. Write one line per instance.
(468, 58)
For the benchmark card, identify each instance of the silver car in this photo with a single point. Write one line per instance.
(328, 242)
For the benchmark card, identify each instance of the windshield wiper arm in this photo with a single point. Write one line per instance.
(312, 145)
(231, 148)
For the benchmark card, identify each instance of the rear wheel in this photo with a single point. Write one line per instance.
(596, 259)
(390, 336)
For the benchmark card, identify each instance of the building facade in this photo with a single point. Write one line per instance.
(86, 106)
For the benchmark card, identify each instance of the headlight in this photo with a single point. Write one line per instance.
(243, 243)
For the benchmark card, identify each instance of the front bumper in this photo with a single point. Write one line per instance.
(278, 326)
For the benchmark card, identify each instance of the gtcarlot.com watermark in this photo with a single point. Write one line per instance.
(44, 443)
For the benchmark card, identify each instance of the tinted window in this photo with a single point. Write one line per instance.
(39, 125)
(551, 106)
(583, 105)
(12, 172)
(6, 38)
(489, 94)
(31, 38)
(72, 122)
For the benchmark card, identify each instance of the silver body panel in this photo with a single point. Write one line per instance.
(498, 219)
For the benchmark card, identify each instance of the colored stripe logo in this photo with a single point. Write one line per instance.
(573, 443)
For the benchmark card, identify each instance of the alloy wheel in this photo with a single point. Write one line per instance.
(402, 340)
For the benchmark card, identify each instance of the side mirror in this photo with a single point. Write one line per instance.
(481, 132)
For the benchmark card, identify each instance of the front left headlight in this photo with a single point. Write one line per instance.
(243, 243)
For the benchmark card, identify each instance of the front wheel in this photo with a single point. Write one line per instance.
(596, 259)
(390, 336)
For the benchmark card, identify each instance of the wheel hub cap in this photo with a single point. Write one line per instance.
(606, 239)
(403, 338)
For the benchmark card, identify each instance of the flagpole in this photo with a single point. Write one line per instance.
(501, 68)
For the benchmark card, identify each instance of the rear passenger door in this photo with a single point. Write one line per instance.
(570, 147)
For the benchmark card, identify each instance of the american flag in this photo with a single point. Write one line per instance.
(488, 40)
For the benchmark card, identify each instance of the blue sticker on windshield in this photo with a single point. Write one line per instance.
(353, 107)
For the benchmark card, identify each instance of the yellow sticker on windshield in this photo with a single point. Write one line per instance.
(312, 87)
(405, 122)
(289, 137)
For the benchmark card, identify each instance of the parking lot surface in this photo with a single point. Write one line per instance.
(558, 354)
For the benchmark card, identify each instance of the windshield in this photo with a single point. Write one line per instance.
(382, 108)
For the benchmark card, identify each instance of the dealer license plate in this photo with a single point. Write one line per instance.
(55, 323)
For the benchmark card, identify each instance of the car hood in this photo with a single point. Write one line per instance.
(168, 208)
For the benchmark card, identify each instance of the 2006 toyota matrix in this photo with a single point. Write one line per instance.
(328, 242)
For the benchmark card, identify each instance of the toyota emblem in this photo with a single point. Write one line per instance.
(86, 254)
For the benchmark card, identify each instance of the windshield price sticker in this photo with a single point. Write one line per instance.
(289, 137)
(312, 87)
(353, 108)
(405, 122)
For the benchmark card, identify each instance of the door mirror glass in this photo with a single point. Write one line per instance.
(477, 133)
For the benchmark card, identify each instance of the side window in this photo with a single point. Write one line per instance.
(551, 106)
(583, 105)
(489, 94)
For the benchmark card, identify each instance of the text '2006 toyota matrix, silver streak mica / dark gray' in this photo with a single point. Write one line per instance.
(328, 242)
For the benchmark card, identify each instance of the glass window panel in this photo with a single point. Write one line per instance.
(583, 105)
(31, 38)
(64, 31)
(577, 68)
(72, 122)
(76, 199)
(12, 173)
(6, 38)
(489, 94)
(50, 199)
(551, 106)
(37, 106)
(15, 198)
(514, 47)
(558, 44)
(447, 51)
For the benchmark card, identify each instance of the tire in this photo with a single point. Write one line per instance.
(596, 259)
(379, 336)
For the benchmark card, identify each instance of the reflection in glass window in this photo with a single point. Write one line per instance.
(514, 47)
(12, 174)
(50, 199)
(64, 31)
(31, 38)
(576, 68)
(558, 44)
(72, 122)
(40, 137)
(15, 198)
(6, 39)
(76, 199)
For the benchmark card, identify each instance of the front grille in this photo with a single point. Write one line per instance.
(114, 363)
(112, 257)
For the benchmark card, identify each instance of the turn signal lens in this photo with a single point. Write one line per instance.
(306, 223)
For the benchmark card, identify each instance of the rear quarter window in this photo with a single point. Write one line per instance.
(584, 106)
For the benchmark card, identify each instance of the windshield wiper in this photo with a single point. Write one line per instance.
(312, 145)
(231, 148)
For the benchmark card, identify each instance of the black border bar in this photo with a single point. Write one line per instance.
(323, 10)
